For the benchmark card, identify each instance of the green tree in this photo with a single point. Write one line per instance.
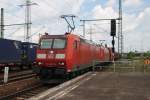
(130, 55)
(147, 54)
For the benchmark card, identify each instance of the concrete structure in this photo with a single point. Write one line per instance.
(105, 86)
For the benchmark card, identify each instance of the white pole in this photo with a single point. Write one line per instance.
(6, 74)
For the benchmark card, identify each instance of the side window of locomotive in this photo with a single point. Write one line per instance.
(75, 44)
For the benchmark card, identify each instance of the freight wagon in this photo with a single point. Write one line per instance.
(16, 53)
(28, 53)
(10, 52)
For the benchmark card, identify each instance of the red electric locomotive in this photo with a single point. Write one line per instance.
(61, 55)
(106, 54)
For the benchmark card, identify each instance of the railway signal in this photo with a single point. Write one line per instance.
(113, 27)
(113, 33)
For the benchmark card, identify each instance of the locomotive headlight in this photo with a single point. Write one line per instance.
(60, 56)
(41, 56)
(40, 63)
(61, 63)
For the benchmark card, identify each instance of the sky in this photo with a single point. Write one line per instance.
(46, 18)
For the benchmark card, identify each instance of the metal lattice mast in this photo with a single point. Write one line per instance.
(120, 35)
(2, 24)
(28, 20)
(28, 5)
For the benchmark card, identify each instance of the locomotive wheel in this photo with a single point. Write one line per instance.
(30, 66)
(67, 76)
(21, 67)
(44, 74)
(77, 73)
(1, 69)
(36, 69)
(73, 74)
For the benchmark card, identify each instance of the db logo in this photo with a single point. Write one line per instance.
(50, 56)
(147, 61)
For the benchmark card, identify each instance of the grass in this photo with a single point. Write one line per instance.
(129, 65)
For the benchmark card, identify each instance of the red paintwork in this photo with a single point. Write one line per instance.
(50, 60)
(111, 56)
(84, 54)
(104, 54)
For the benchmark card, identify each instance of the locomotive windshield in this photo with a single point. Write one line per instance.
(59, 43)
(46, 43)
(53, 43)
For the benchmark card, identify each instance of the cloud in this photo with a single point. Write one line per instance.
(144, 20)
(135, 25)
(46, 13)
(111, 3)
(107, 12)
(102, 28)
(136, 30)
(132, 3)
(49, 13)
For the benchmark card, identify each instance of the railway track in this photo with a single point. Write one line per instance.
(39, 88)
(33, 90)
(27, 92)
(18, 76)
(15, 73)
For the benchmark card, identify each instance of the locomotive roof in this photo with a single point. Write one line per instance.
(64, 36)
(53, 36)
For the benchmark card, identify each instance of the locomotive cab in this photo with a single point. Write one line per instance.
(52, 52)
(51, 56)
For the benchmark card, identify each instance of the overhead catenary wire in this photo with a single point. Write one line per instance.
(52, 7)
(48, 5)
(38, 31)
(14, 14)
(15, 31)
(101, 28)
(34, 14)
(27, 5)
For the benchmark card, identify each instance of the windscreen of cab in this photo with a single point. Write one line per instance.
(53, 43)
